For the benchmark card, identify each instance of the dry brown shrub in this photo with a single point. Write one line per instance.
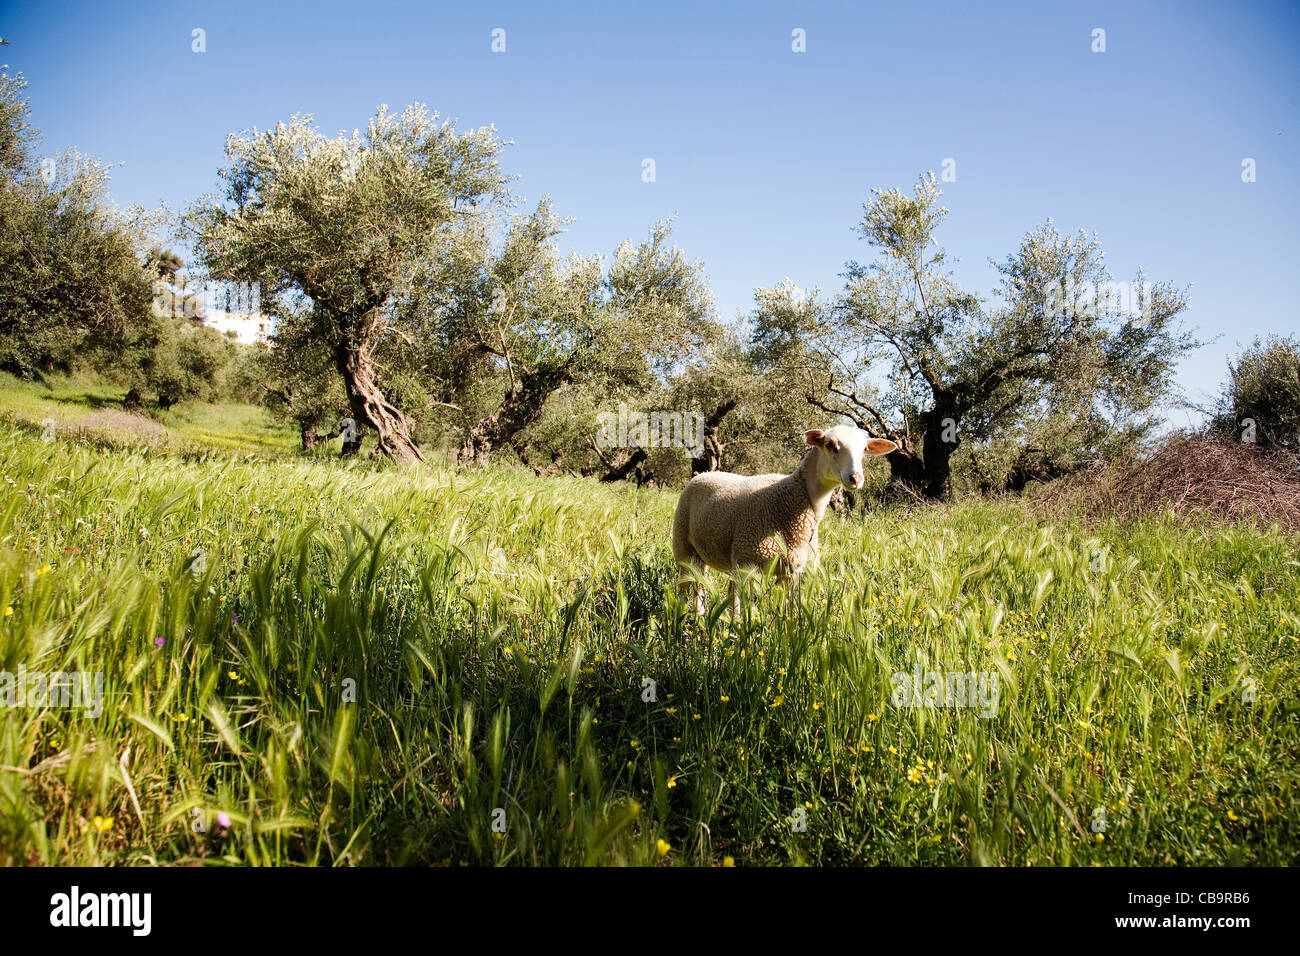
(1192, 477)
(128, 426)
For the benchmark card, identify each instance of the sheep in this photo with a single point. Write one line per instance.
(728, 522)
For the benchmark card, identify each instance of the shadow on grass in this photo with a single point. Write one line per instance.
(87, 399)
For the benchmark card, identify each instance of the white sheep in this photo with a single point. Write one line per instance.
(728, 522)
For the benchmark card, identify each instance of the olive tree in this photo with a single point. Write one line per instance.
(1060, 334)
(294, 378)
(352, 223)
(71, 277)
(1261, 401)
(532, 322)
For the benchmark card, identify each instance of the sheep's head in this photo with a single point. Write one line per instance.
(843, 449)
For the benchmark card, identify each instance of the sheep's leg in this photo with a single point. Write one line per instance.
(690, 585)
(687, 556)
(794, 571)
(734, 598)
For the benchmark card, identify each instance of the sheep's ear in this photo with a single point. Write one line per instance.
(815, 436)
(880, 446)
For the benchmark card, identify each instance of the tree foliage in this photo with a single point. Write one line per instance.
(352, 224)
(1061, 339)
(300, 381)
(1261, 400)
(179, 360)
(70, 274)
(534, 322)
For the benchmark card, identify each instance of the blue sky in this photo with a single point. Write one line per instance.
(764, 154)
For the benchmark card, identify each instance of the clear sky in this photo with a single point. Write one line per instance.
(765, 155)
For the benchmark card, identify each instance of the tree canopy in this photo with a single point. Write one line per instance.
(1060, 338)
(352, 223)
(70, 275)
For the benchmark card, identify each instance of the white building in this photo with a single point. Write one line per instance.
(235, 307)
(228, 307)
(249, 327)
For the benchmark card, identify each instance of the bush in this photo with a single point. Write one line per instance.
(188, 362)
(299, 383)
(1261, 402)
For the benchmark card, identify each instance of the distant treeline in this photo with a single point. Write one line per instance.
(410, 297)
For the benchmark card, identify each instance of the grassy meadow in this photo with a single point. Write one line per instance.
(316, 662)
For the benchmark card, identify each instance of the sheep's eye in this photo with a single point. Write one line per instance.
(832, 447)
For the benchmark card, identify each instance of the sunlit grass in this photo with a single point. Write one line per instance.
(229, 426)
(377, 667)
(86, 407)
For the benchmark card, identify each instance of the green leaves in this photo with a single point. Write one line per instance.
(902, 226)
(1063, 365)
(1261, 401)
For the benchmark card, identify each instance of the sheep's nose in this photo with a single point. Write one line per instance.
(855, 480)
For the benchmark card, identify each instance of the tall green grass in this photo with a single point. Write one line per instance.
(367, 666)
(86, 408)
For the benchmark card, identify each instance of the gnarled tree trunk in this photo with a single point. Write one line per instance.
(906, 471)
(917, 476)
(521, 408)
(627, 467)
(711, 460)
(369, 407)
(940, 442)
